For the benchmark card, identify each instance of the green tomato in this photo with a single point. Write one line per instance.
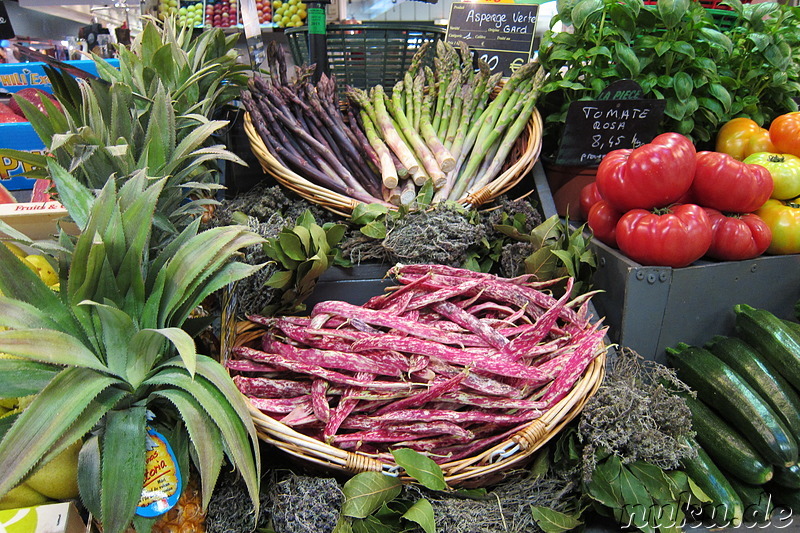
(785, 171)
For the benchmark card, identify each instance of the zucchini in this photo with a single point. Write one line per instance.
(758, 505)
(787, 476)
(727, 448)
(793, 325)
(771, 337)
(725, 507)
(762, 376)
(735, 401)
(787, 498)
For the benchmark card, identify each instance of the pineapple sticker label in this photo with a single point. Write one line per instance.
(162, 478)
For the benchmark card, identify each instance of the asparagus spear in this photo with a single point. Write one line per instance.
(421, 149)
(388, 170)
(464, 93)
(453, 88)
(483, 145)
(511, 135)
(388, 131)
(443, 62)
(443, 157)
(408, 97)
(418, 97)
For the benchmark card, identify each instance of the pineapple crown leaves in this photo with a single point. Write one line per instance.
(113, 344)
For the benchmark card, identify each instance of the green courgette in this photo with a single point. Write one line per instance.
(793, 325)
(735, 401)
(728, 449)
(757, 503)
(725, 508)
(762, 376)
(787, 476)
(775, 340)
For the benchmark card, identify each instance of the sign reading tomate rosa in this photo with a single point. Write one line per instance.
(162, 478)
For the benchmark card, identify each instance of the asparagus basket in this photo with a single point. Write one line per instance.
(473, 370)
(470, 134)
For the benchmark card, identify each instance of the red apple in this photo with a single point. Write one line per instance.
(33, 95)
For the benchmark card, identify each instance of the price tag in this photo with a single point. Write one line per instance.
(594, 128)
(500, 33)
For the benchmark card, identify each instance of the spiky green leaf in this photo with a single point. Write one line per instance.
(122, 471)
(205, 437)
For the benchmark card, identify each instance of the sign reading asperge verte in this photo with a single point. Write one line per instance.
(499, 33)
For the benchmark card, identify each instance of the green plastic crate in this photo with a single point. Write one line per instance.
(365, 55)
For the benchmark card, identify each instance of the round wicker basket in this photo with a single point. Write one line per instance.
(482, 469)
(520, 162)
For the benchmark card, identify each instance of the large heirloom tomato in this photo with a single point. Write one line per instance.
(785, 133)
(783, 218)
(722, 182)
(785, 172)
(737, 237)
(588, 197)
(602, 220)
(652, 175)
(675, 236)
(742, 136)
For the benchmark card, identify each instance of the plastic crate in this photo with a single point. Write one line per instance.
(365, 55)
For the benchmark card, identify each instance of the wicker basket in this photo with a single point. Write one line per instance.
(521, 161)
(483, 469)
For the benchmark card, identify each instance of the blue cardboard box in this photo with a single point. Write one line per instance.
(17, 76)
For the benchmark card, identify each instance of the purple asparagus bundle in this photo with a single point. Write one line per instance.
(446, 362)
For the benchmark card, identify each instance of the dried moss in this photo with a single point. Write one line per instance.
(634, 416)
(304, 504)
(442, 235)
(230, 509)
(507, 507)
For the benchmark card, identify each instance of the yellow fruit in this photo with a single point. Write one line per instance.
(16, 250)
(21, 496)
(43, 267)
(29, 264)
(58, 479)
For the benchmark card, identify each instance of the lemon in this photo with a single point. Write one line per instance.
(21, 496)
(16, 250)
(43, 267)
(58, 479)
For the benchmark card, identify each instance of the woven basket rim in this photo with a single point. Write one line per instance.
(501, 457)
(343, 205)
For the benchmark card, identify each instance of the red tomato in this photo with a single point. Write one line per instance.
(676, 236)
(602, 220)
(652, 175)
(722, 182)
(737, 237)
(784, 131)
(588, 197)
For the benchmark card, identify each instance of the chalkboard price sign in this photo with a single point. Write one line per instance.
(594, 128)
(499, 33)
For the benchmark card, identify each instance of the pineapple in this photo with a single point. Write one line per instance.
(110, 353)
(154, 113)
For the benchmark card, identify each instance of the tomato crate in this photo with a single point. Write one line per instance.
(649, 308)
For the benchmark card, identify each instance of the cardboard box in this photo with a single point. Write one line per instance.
(18, 136)
(36, 220)
(17, 76)
(649, 308)
(51, 518)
